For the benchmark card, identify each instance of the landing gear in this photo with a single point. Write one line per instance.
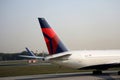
(97, 72)
(118, 72)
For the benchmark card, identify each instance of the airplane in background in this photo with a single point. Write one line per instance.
(31, 56)
(98, 60)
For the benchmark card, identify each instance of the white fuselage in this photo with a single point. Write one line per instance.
(80, 59)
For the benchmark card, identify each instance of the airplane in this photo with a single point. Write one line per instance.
(31, 56)
(83, 59)
(98, 60)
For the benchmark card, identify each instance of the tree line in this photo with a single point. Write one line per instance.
(15, 56)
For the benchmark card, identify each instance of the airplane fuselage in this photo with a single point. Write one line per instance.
(81, 59)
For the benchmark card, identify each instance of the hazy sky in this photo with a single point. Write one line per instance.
(81, 24)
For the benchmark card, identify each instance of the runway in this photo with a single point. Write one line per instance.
(108, 75)
(22, 63)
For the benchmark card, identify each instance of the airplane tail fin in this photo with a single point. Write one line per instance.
(53, 43)
(30, 52)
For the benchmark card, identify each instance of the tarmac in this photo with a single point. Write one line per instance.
(107, 75)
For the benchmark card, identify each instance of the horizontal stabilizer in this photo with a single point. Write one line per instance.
(32, 57)
(58, 57)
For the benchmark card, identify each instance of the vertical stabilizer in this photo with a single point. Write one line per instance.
(30, 52)
(53, 43)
